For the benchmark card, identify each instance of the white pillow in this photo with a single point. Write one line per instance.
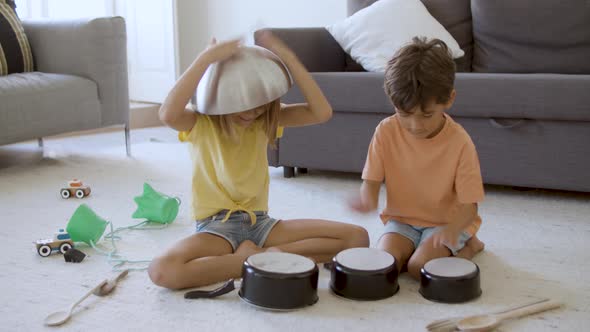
(372, 35)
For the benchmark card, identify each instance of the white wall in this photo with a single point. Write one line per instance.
(196, 21)
(58, 9)
(199, 20)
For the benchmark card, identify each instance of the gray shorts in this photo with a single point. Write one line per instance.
(238, 228)
(419, 234)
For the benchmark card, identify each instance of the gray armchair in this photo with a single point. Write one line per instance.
(80, 82)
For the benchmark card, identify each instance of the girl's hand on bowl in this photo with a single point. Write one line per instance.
(268, 40)
(219, 51)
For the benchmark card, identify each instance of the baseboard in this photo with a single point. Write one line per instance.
(141, 115)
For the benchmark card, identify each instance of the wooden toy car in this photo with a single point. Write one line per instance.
(75, 188)
(61, 242)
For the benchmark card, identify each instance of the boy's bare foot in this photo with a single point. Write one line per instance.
(247, 249)
(273, 249)
(475, 244)
(472, 247)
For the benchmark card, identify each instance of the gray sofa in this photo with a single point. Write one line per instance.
(523, 93)
(80, 81)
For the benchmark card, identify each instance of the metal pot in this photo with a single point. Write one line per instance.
(279, 281)
(364, 274)
(450, 280)
(273, 281)
(252, 77)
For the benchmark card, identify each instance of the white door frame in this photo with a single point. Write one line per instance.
(152, 47)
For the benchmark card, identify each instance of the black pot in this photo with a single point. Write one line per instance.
(267, 284)
(364, 274)
(450, 280)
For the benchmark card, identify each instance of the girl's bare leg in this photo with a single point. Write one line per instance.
(198, 260)
(317, 239)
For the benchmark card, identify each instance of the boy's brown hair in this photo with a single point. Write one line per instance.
(420, 73)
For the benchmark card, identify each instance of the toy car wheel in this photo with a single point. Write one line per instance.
(80, 193)
(65, 193)
(44, 250)
(64, 247)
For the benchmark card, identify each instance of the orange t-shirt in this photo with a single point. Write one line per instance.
(425, 179)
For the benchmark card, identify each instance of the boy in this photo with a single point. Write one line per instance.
(428, 162)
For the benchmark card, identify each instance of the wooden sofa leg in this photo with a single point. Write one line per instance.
(301, 170)
(288, 172)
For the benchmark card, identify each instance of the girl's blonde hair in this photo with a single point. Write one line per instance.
(270, 118)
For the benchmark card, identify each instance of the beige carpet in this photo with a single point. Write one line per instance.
(536, 246)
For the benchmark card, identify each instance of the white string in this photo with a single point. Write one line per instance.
(118, 260)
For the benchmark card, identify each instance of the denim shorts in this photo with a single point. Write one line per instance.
(419, 234)
(238, 228)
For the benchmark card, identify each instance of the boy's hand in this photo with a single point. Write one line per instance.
(357, 204)
(216, 52)
(367, 199)
(449, 235)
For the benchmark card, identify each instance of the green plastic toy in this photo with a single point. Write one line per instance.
(86, 226)
(155, 206)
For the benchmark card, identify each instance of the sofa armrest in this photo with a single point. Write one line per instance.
(315, 47)
(95, 49)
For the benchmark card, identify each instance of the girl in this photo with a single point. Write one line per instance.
(230, 180)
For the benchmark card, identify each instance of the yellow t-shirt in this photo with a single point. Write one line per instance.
(425, 179)
(228, 175)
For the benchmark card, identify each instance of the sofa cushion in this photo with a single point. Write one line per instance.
(40, 104)
(455, 17)
(479, 95)
(531, 36)
(15, 51)
(532, 96)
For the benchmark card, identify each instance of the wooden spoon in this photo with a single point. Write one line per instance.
(60, 317)
(450, 324)
(111, 284)
(482, 323)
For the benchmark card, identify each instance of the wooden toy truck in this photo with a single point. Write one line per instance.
(75, 188)
(61, 242)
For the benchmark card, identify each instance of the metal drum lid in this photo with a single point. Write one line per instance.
(365, 259)
(281, 262)
(450, 267)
